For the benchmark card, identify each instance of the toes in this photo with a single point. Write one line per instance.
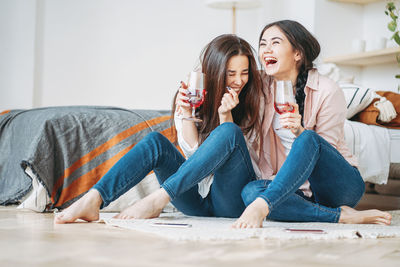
(383, 221)
(242, 225)
(235, 225)
(388, 216)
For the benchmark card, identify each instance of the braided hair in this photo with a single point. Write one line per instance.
(304, 42)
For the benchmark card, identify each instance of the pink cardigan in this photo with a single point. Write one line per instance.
(324, 112)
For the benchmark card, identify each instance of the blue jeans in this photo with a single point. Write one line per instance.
(333, 181)
(224, 153)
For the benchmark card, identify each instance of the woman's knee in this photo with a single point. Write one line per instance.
(309, 134)
(155, 139)
(155, 136)
(308, 137)
(229, 127)
(227, 131)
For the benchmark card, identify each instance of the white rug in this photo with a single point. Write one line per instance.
(204, 228)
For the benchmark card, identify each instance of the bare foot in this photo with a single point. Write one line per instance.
(149, 207)
(86, 208)
(350, 215)
(253, 215)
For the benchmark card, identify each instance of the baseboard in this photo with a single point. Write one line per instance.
(377, 201)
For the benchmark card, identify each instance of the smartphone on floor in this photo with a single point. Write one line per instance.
(179, 225)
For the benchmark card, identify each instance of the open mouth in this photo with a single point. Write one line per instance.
(269, 61)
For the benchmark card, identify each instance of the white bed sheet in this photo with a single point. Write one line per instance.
(375, 147)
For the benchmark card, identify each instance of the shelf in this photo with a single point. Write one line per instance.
(361, 2)
(384, 56)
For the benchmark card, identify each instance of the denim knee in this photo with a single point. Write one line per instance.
(229, 127)
(308, 134)
(155, 137)
(155, 141)
(252, 190)
(308, 137)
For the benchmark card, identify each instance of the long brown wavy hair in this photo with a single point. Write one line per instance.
(214, 59)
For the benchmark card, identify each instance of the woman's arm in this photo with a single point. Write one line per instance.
(187, 131)
(190, 134)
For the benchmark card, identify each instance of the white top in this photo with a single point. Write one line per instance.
(285, 135)
(205, 184)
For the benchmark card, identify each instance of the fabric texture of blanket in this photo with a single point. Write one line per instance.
(371, 113)
(69, 148)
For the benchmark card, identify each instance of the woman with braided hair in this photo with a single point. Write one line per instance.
(311, 174)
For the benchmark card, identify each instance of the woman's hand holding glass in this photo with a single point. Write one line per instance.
(292, 120)
(183, 107)
(228, 102)
(285, 105)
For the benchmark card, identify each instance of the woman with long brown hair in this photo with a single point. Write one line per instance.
(218, 164)
(317, 179)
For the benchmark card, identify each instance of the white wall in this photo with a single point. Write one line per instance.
(132, 53)
(17, 31)
(124, 53)
(375, 22)
(338, 24)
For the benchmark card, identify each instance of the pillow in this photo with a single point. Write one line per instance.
(357, 98)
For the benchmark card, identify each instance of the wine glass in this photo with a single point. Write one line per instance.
(283, 96)
(196, 92)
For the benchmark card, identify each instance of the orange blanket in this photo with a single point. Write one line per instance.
(371, 113)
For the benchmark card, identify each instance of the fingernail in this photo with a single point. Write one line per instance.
(228, 88)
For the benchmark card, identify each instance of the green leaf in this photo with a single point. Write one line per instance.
(393, 16)
(392, 26)
(390, 6)
(386, 13)
(396, 38)
(397, 76)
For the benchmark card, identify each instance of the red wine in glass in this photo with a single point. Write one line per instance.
(196, 93)
(196, 99)
(283, 96)
(283, 108)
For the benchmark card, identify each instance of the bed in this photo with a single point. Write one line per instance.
(51, 156)
(377, 148)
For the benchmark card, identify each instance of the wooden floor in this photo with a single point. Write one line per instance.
(31, 239)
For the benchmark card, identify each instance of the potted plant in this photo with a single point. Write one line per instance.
(393, 12)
